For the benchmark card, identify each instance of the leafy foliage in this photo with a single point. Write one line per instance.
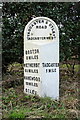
(16, 16)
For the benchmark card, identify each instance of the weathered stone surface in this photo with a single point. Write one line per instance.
(41, 58)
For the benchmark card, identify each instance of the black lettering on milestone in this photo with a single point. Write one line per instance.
(42, 21)
(54, 35)
(32, 91)
(26, 52)
(37, 38)
(36, 26)
(50, 24)
(46, 22)
(45, 27)
(30, 27)
(26, 83)
(26, 89)
(28, 38)
(39, 21)
(53, 31)
(42, 27)
(29, 30)
(39, 27)
(34, 23)
(26, 57)
(28, 33)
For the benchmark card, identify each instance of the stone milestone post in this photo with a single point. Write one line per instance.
(41, 58)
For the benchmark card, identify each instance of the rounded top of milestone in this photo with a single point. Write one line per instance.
(42, 29)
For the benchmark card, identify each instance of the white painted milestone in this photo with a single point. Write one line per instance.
(41, 58)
